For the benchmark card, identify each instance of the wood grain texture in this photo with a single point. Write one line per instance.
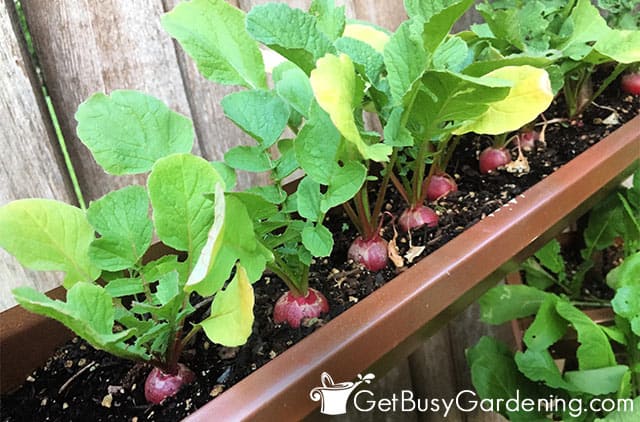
(465, 331)
(388, 14)
(31, 165)
(85, 47)
(433, 375)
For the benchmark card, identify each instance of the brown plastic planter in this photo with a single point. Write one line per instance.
(395, 319)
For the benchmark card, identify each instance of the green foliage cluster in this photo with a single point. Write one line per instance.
(556, 300)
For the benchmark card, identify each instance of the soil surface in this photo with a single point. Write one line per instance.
(80, 383)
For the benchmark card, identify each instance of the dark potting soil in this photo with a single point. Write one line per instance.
(80, 383)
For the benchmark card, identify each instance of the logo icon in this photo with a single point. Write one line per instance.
(333, 397)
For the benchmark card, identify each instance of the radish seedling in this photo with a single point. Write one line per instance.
(139, 309)
(569, 39)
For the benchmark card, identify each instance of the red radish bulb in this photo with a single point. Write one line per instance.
(527, 140)
(440, 185)
(416, 217)
(160, 385)
(631, 83)
(294, 309)
(372, 253)
(492, 158)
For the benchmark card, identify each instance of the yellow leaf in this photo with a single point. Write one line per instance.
(231, 320)
(368, 34)
(334, 86)
(530, 95)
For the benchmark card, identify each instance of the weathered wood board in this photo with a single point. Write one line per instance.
(31, 165)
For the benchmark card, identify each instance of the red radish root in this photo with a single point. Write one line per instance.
(493, 158)
(440, 185)
(160, 385)
(372, 253)
(294, 309)
(527, 140)
(416, 217)
(631, 83)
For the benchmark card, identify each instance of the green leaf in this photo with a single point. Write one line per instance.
(317, 146)
(344, 184)
(614, 333)
(504, 303)
(598, 381)
(213, 33)
(449, 100)
(231, 317)
(630, 412)
(334, 85)
(550, 256)
(291, 32)
(257, 207)
(364, 55)
(540, 366)
(272, 193)
(121, 218)
(594, 351)
(547, 328)
(230, 240)
(88, 312)
(330, 19)
(439, 17)
(262, 114)
(128, 131)
(124, 287)
(537, 276)
(253, 159)
(181, 213)
(495, 376)
(620, 46)
(608, 220)
(451, 55)
(482, 68)
(293, 85)
(626, 274)
(168, 288)
(318, 240)
(227, 174)
(504, 24)
(287, 163)
(405, 58)
(155, 270)
(626, 303)
(309, 197)
(396, 134)
(587, 26)
(47, 235)
(530, 95)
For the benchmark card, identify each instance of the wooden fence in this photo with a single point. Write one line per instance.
(88, 46)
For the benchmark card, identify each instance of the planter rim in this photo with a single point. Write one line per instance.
(398, 316)
(395, 313)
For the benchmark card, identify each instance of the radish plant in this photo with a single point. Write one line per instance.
(568, 39)
(438, 97)
(290, 226)
(605, 353)
(116, 300)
